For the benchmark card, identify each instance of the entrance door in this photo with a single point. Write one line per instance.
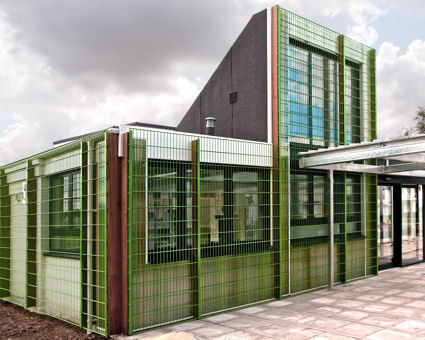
(411, 225)
(385, 227)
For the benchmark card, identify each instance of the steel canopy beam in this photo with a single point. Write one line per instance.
(402, 167)
(411, 158)
(352, 167)
(414, 170)
(358, 152)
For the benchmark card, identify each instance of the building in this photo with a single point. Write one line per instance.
(138, 227)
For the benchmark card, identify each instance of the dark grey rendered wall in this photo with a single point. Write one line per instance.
(243, 70)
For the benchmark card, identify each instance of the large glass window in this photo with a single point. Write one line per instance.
(354, 202)
(169, 211)
(235, 210)
(64, 207)
(312, 94)
(352, 103)
(307, 202)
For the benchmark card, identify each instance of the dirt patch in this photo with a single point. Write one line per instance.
(19, 323)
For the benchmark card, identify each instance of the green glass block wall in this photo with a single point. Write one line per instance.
(53, 233)
(326, 99)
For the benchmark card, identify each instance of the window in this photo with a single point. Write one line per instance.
(352, 103)
(308, 208)
(64, 216)
(169, 211)
(312, 93)
(353, 197)
(235, 210)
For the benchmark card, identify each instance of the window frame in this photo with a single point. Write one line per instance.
(225, 243)
(330, 126)
(183, 251)
(65, 229)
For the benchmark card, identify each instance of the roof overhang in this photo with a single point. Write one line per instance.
(409, 150)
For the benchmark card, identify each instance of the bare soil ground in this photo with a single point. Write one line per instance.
(19, 323)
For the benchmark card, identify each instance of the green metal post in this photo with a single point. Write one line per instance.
(105, 241)
(198, 203)
(82, 271)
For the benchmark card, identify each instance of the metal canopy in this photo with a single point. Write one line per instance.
(409, 150)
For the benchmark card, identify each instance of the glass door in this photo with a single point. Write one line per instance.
(411, 226)
(385, 226)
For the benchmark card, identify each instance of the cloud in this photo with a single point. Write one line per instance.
(74, 66)
(400, 80)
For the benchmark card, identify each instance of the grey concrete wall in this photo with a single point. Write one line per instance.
(243, 70)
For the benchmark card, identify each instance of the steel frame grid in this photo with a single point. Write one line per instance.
(51, 282)
(309, 272)
(223, 278)
(223, 273)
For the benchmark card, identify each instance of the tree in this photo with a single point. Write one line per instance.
(420, 120)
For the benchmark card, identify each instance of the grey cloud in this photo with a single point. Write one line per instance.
(133, 44)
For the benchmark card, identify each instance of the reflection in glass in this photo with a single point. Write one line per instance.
(385, 225)
(411, 236)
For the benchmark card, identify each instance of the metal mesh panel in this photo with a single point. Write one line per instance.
(326, 98)
(13, 235)
(201, 238)
(53, 233)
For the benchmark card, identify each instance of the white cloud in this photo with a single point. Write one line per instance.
(76, 67)
(400, 82)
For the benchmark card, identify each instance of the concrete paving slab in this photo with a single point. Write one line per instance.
(326, 324)
(241, 335)
(357, 330)
(412, 295)
(242, 322)
(351, 315)
(212, 331)
(253, 310)
(282, 331)
(388, 334)
(380, 321)
(331, 336)
(412, 326)
(221, 318)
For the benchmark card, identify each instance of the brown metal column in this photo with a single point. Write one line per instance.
(4, 236)
(31, 296)
(117, 204)
(124, 233)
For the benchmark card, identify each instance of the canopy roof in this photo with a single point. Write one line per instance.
(408, 151)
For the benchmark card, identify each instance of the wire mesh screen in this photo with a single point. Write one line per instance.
(53, 233)
(13, 234)
(327, 98)
(201, 238)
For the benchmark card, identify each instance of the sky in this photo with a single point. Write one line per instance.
(74, 66)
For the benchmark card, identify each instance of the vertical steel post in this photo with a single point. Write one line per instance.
(196, 232)
(85, 274)
(331, 231)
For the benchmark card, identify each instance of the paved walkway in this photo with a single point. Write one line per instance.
(389, 306)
